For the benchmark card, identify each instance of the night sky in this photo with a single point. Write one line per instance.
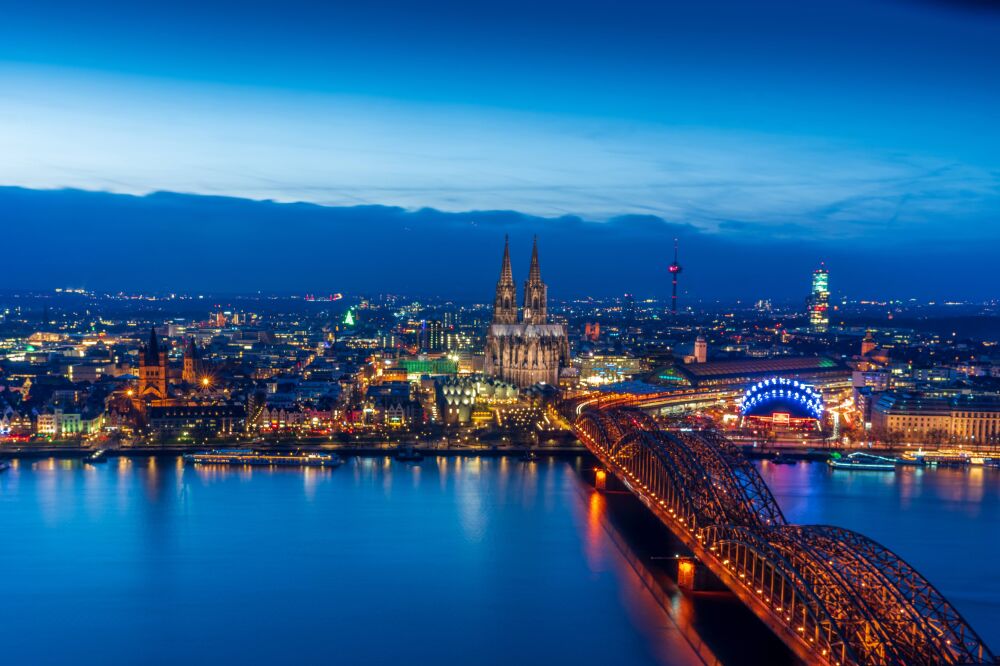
(768, 135)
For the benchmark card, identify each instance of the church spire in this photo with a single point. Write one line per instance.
(534, 273)
(535, 292)
(153, 348)
(506, 272)
(505, 303)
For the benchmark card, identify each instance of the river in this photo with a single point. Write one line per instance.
(450, 561)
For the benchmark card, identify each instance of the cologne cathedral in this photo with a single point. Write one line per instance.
(524, 350)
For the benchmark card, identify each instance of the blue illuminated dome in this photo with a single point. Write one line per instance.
(778, 394)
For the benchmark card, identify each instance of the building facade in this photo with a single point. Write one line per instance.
(524, 350)
(153, 371)
(192, 363)
(920, 417)
(700, 350)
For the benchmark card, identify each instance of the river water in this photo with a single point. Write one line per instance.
(450, 561)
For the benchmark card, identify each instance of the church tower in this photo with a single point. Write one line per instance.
(153, 370)
(535, 292)
(505, 303)
(191, 369)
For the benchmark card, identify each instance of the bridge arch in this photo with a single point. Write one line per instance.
(836, 595)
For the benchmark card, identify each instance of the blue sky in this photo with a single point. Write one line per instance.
(823, 121)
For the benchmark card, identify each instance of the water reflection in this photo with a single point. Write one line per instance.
(595, 531)
(944, 521)
(482, 546)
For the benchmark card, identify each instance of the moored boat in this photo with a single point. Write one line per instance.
(863, 462)
(263, 459)
(914, 458)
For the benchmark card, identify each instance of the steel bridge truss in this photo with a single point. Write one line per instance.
(833, 595)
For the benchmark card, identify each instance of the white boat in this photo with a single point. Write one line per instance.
(261, 459)
(863, 462)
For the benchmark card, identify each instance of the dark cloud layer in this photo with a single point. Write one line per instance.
(169, 241)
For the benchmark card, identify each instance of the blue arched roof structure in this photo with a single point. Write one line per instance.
(782, 394)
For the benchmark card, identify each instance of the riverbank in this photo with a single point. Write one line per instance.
(34, 453)
(369, 448)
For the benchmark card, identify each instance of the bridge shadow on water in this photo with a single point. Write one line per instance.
(714, 622)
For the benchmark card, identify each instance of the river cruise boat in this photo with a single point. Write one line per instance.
(863, 462)
(263, 459)
(943, 458)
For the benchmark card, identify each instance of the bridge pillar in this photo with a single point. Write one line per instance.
(687, 574)
(600, 478)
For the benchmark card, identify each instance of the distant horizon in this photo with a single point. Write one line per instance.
(215, 244)
(351, 298)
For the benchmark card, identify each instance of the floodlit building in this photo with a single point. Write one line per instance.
(700, 349)
(524, 350)
(972, 419)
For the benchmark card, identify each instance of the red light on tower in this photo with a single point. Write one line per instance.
(675, 269)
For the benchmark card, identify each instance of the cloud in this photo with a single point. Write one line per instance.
(168, 241)
(137, 136)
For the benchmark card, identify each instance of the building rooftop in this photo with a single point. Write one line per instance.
(762, 366)
(897, 402)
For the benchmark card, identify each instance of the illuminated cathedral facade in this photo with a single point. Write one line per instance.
(523, 348)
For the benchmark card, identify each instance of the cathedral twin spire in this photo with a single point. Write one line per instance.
(535, 309)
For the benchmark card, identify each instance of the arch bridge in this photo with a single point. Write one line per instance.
(832, 595)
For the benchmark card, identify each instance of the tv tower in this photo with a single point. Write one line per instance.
(675, 269)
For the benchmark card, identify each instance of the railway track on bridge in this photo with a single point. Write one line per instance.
(832, 595)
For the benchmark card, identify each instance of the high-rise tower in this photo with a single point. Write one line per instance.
(505, 302)
(675, 270)
(535, 292)
(819, 300)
